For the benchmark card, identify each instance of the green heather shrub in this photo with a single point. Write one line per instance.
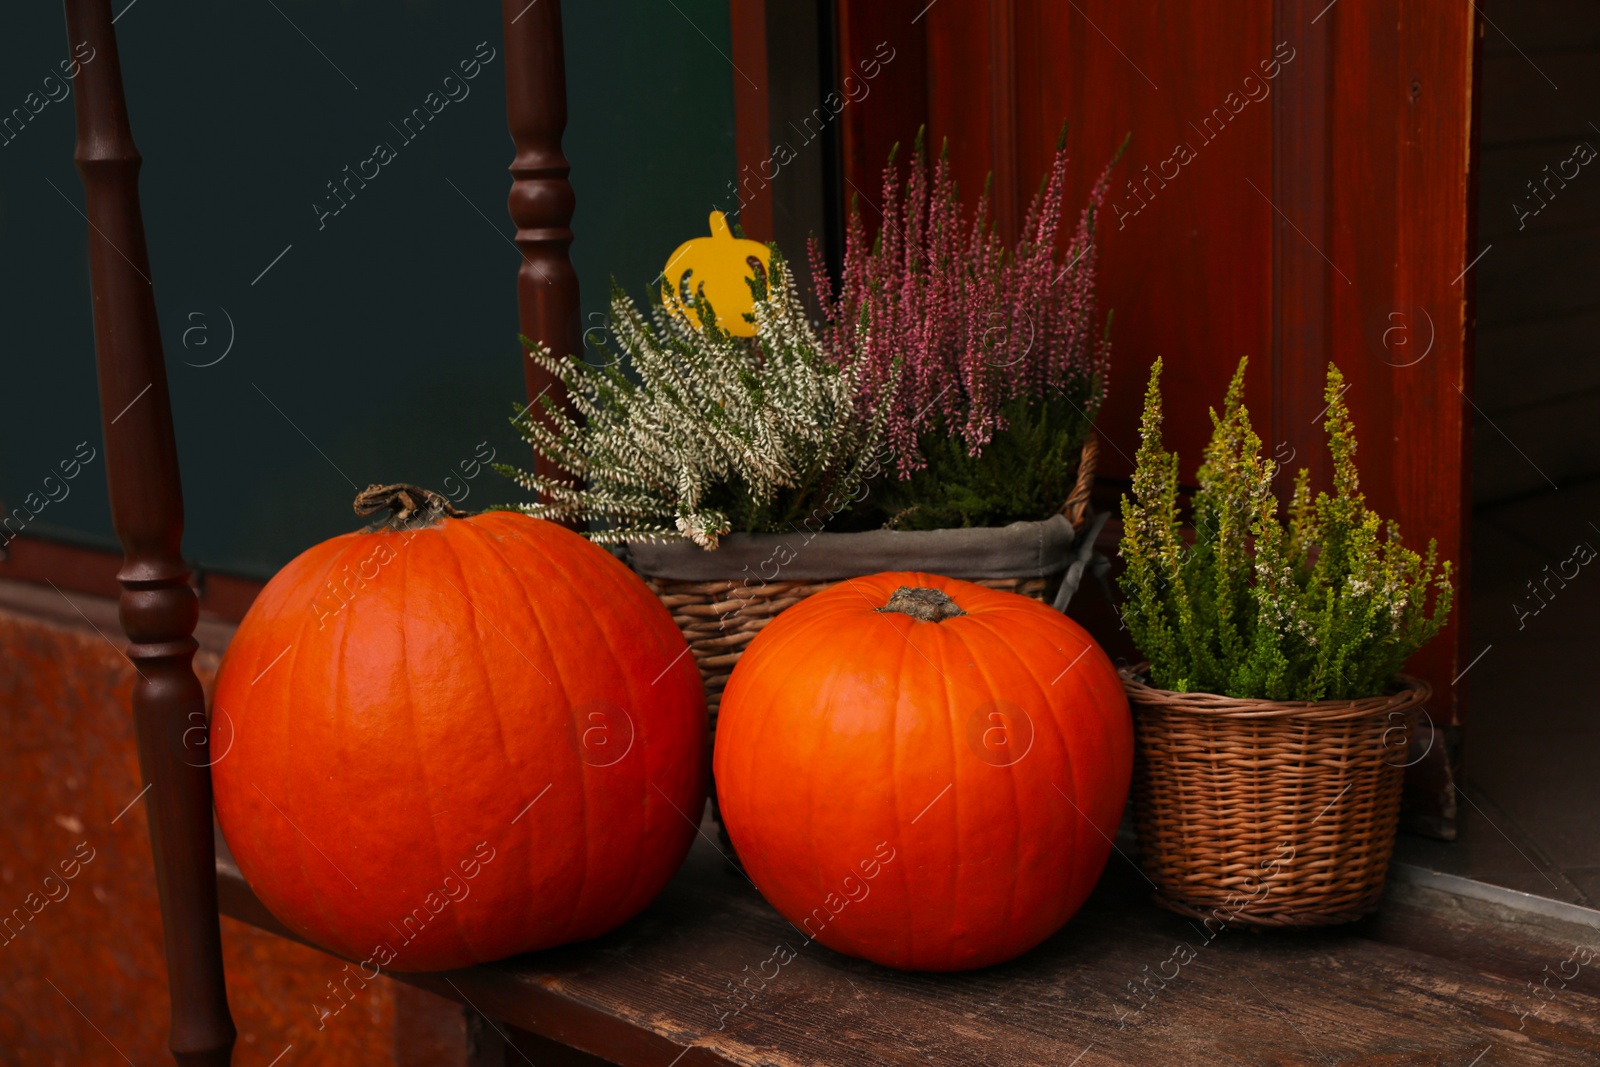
(1326, 606)
(1026, 471)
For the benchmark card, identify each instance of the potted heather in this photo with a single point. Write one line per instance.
(1271, 716)
(689, 433)
(937, 419)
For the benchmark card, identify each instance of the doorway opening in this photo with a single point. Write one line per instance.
(1529, 798)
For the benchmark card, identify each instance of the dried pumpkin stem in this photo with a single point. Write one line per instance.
(926, 605)
(408, 506)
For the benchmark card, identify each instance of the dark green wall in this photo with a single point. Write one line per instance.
(388, 336)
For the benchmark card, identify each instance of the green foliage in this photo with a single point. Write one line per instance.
(1025, 472)
(713, 433)
(1327, 606)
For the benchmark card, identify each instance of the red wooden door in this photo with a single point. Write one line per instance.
(1296, 189)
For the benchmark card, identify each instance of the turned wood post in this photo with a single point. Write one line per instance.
(541, 200)
(158, 608)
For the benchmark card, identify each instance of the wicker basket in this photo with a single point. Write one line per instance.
(1268, 813)
(719, 618)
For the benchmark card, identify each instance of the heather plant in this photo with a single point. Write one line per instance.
(1326, 606)
(709, 433)
(967, 345)
(1025, 471)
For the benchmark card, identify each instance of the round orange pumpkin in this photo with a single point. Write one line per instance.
(923, 772)
(457, 739)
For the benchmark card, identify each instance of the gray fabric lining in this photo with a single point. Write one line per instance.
(1020, 550)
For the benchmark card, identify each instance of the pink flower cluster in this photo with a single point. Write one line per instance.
(965, 324)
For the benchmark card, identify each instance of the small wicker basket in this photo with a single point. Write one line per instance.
(719, 618)
(1269, 813)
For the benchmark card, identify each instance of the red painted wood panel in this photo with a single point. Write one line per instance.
(1186, 240)
(976, 112)
(1303, 273)
(752, 136)
(898, 102)
(1295, 189)
(1401, 205)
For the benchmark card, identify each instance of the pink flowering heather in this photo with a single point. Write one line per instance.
(973, 327)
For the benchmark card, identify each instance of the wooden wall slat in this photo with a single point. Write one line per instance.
(752, 132)
(1533, 362)
(1541, 97)
(961, 107)
(1534, 26)
(802, 113)
(1566, 457)
(886, 38)
(1402, 207)
(1547, 274)
(1009, 187)
(1186, 258)
(1302, 223)
(1508, 208)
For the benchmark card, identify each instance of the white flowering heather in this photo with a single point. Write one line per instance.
(711, 434)
(1328, 606)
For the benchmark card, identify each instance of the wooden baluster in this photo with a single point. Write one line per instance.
(541, 200)
(158, 608)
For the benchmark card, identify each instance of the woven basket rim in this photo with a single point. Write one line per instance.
(1075, 509)
(1406, 693)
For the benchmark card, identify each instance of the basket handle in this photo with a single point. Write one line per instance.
(1076, 508)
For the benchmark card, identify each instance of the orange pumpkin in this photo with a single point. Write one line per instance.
(928, 777)
(458, 740)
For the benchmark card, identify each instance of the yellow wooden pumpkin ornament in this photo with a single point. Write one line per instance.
(718, 268)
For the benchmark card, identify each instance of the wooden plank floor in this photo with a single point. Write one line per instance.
(1432, 980)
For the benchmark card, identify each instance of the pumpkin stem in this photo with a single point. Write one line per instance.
(408, 506)
(926, 605)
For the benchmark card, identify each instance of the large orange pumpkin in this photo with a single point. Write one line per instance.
(923, 772)
(457, 740)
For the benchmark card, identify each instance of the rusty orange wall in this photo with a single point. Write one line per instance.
(67, 769)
